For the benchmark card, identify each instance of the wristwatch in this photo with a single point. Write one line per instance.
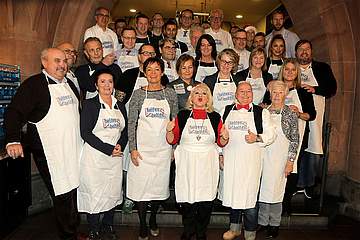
(258, 138)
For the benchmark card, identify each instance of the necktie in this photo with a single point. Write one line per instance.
(169, 66)
(185, 33)
(242, 106)
(128, 52)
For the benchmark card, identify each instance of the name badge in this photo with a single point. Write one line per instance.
(179, 88)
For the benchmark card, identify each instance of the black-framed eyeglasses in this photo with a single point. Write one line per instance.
(240, 39)
(230, 63)
(68, 51)
(146, 53)
(102, 15)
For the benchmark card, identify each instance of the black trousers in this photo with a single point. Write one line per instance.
(195, 218)
(64, 205)
(94, 219)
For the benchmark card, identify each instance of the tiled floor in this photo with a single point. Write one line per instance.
(42, 226)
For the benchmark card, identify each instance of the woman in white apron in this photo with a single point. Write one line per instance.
(277, 54)
(196, 156)
(151, 109)
(103, 127)
(205, 57)
(301, 102)
(278, 161)
(256, 74)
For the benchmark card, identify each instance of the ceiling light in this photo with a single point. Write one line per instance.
(132, 10)
(239, 16)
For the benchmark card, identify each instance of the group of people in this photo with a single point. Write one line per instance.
(241, 126)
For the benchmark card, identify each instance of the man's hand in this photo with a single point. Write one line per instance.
(15, 150)
(109, 59)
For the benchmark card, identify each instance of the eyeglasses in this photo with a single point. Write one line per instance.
(216, 18)
(240, 39)
(129, 38)
(230, 63)
(146, 53)
(68, 51)
(102, 15)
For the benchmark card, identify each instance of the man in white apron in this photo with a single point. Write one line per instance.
(85, 73)
(195, 34)
(239, 47)
(317, 78)
(142, 27)
(127, 57)
(107, 36)
(50, 103)
(186, 19)
(167, 48)
(222, 38)
(250, 128)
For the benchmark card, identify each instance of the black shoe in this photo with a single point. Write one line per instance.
(261, 228)
(273, 232)
(109, 230)
(95, 236)
(186, 236)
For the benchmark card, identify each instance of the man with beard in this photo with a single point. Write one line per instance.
(186, 20)
(71, 56)
(317, 78)
(239, 47)
(170, 32)
(107, 37)
(277, 20)
(259, 40)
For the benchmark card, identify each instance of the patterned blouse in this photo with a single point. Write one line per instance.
(289, 126)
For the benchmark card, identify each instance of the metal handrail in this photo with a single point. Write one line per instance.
(325, 163)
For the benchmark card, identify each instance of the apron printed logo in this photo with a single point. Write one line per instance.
(127, 65)
(111, 123)
(275, 75)
(203, 130)
(256, 87)
(240, 67)
(305, 78)
(238, 125)
(107, 44)
(226, 96)
(154, 112)
(218, 42)
(288, 101)
(65, 100)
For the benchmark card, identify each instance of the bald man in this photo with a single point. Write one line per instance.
(71, 56)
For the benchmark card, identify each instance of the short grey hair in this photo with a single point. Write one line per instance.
(99, 8)
(196, 28)
(44, 53)
(279, 83)
(163, 41)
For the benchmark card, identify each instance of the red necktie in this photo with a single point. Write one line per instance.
(242, 106)
(128, 52)
(169, 65)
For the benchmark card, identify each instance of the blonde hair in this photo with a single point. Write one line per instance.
(190, 104)
(279, 83)
(297, 81)
(258, 51)
(232, 55)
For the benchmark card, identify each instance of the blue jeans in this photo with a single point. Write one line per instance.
(308, 169)
(250, 218)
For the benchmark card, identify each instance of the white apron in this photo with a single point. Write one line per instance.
(91, 94)
(170, 72)
(197, 163)
(242, 162)
(258, 88)
(203, 72)
(243, 62)
(107, 43)
(139, 83)
(273, 179)
(274, 70)
(128, 62)
(315, 135)
(59, 132)
(293, 99)
(223, 94)
(101, 175)
(150, 180)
